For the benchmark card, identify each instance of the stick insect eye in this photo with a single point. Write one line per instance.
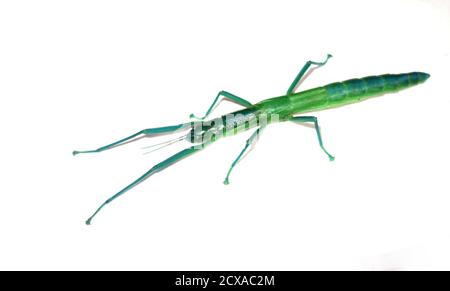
(195, 135)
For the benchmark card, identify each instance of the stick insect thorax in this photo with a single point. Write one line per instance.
(230, 124)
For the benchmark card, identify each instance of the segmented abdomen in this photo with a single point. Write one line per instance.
(357, 89)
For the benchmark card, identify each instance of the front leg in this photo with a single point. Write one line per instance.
(144, 132)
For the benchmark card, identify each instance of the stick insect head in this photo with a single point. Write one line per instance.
(207, 131)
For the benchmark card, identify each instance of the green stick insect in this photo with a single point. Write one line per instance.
(202, 133)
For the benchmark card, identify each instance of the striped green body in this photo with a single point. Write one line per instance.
(351, 91)
(340, 93)
(284, 107)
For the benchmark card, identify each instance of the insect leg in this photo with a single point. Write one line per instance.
(228, 96)
(148, 131)
(302, 73)
(157, 168)
(249, 141)
(313, 119)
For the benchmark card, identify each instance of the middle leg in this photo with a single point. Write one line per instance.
(227, 95)
(249, 141)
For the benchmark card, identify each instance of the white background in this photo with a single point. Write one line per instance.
(81, 74)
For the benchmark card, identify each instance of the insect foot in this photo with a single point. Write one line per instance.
(193, 116)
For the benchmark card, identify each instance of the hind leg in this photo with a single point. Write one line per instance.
(313, 119)
(302, 73)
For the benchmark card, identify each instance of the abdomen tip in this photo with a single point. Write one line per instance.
(423, 76)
